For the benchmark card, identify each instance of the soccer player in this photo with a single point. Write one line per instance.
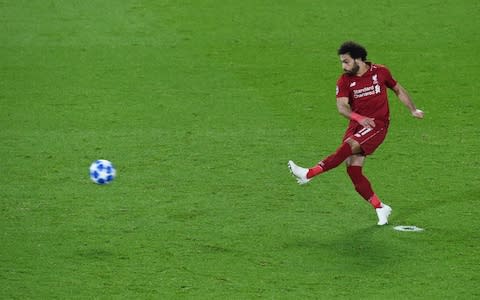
(361, 98)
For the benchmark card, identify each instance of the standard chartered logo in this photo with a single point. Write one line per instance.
(367, 91)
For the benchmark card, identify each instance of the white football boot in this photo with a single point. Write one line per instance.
(383, 214)
(299, 172)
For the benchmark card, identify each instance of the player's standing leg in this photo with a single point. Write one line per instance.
(364, 188)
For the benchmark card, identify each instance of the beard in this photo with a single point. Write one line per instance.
(354, 69)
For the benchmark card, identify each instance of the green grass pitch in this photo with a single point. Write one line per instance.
(200, 104)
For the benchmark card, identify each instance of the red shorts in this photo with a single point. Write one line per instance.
(368, 138)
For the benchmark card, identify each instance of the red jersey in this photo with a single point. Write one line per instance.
(367, 94)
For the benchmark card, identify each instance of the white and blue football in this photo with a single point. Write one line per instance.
(102, 171)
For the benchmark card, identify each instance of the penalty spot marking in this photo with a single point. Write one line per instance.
(407, 228)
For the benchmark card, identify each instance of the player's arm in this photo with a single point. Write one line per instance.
(405, 98)
(345, 110)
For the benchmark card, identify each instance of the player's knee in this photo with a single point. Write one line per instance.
(354, 145)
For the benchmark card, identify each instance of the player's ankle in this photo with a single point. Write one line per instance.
(314, 171)
(375, 201)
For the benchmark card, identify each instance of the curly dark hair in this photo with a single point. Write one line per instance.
(355, 50)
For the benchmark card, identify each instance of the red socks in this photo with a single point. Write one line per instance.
(362, 186)
(375, 201)
(314, 171)
(332, 161)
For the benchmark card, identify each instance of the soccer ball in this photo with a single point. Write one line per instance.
(102, 171)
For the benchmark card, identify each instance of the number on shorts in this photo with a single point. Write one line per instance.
(363, 132)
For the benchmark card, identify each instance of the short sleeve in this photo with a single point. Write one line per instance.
(342, 88)
(390, 82)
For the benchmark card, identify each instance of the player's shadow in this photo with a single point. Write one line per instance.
(363, 248)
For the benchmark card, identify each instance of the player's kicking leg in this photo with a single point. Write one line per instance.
(304, 175)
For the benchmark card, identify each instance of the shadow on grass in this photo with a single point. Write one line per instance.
(366, 248)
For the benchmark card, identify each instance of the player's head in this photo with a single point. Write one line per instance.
(351, 54)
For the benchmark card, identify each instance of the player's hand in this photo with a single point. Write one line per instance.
(362, 120)
(417, 113)
(367, 122)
